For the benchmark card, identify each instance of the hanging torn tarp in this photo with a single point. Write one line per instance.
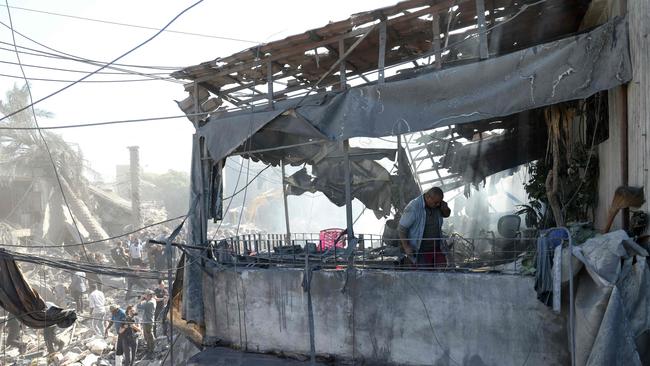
(567, 69)
(371, 182)
(22, 301)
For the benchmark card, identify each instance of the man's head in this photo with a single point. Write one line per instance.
(114, 308)
(119, 243)
(148, 294)
(433, 197)
(161, 284)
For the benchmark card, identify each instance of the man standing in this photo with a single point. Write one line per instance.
(97, 304)
(77, 289)
(148, 311)
(118, 317)
(161, 299)
(420, 229)
(119, 256)
(135, 250)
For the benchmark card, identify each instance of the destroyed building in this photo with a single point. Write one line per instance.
(472, 88)
(378, 109)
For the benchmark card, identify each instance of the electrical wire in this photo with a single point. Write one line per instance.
(159, 68)
(102, 67)
(124, 71)
(247, 184)
(60, 55)
(92, 124)
(40, 133)
(86, 81)
(74, 70)
(134, 25)
(95, 241)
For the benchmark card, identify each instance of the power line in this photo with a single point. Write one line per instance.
(134, 25)
(102, 67)
(93, 124)
(94, 241)
(74, 58)
(73, 70)
(247, 184)
(84, 81)
(68, 56)
(123, 71)
(40, 133)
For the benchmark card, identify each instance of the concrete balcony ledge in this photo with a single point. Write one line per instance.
(387, 317)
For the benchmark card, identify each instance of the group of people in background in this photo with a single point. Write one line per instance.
(138, 315)
(142, 315)
(138, 252)
(128, 325)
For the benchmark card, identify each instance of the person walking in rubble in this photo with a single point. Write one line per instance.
(77, 289)
(161, 296)
(129, 334)
(118, 317)
(97, 304)
(148, 305)
(420, 229)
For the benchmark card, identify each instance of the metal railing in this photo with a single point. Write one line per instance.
(373, 251)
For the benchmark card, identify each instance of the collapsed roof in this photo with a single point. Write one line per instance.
(446, 31)
(415, 66)
(302, 129)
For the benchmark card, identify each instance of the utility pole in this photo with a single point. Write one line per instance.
(134, 153)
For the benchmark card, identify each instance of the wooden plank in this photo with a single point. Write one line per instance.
(311, 45)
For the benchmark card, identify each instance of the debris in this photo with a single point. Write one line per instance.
(97, 346)
(624, 197)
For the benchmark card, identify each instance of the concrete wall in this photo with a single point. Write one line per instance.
(387, 317)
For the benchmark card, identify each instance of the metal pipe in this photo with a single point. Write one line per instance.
(134, 170)
(170, 288)
(382, 52)
(348, 191)
(622, 109)
(286, 205)
(572, 336)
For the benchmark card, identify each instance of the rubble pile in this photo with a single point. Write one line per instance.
(78, 345)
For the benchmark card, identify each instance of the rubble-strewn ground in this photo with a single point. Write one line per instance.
(80, 345)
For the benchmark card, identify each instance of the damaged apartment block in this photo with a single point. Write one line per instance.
(455, 94)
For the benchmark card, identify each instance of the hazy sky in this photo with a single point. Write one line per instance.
(163, 144)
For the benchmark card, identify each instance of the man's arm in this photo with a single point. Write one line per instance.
(110, 323)
(444, 209)
(405, 222)
(405, 244)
